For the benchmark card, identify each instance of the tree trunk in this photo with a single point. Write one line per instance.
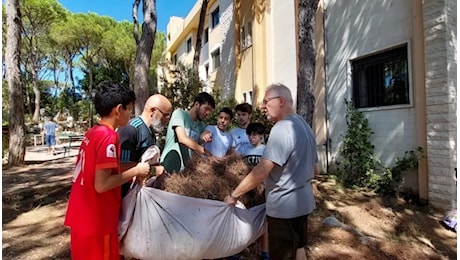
(199, 34)
(144, 52)
(307, 56)
(36, 89)
(16, 120)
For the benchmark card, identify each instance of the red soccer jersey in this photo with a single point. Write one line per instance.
(90, 212)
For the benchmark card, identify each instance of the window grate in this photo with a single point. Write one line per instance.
(381, 79)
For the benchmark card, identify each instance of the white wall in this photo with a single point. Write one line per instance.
(358, 28)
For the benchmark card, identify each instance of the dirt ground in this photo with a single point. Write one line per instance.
(34, 201)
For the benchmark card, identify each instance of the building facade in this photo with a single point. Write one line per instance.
(395, 60)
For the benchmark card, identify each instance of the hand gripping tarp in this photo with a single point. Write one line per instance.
(156, 224)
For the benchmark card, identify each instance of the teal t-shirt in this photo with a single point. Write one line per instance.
(175, 155)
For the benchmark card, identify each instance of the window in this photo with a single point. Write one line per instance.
(205, 36)
(206, 71)
(381, 79)
(215, 17)
(189, 45)
(247, 97)
(215, 55)
(246, 36)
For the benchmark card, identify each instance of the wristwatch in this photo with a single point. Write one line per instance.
(233, 197)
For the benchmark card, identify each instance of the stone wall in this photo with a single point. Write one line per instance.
(228, 49)
(441, 100)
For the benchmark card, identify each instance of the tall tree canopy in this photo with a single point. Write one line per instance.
(37, 17)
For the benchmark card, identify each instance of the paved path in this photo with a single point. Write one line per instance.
(39, 153)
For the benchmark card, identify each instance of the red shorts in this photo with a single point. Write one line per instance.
(94, 247)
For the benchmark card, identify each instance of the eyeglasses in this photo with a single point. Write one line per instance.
(161, 111)
(265, 101)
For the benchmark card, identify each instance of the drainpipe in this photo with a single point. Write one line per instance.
(328, 141)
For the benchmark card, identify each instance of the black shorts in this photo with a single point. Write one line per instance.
(285, 236)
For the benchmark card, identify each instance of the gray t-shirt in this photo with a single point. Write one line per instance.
(292, 147)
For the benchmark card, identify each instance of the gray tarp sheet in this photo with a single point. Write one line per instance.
(156, 224)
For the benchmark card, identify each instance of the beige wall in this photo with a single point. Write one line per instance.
(319, 88)
(251, 65)
(420, 95)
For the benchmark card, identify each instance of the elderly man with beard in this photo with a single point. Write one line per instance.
(139, 134)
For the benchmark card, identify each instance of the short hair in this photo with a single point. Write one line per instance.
(258, 128)
(244, 107)
(203, 98)
(111, 94)
(227, 111)
(282, 91)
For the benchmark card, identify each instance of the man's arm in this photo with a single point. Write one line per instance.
(105, 180)
(206, 136)
(251, 181)
(187, 141)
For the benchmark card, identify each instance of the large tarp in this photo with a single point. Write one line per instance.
(156, 224)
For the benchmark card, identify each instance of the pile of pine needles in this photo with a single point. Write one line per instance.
(213, 178)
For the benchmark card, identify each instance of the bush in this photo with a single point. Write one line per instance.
(356, 157)
(390, 180)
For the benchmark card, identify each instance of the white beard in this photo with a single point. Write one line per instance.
(157, 126)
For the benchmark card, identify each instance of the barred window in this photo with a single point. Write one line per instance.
(189, 45)
(381, 79)
(215, 55)
(246, 36)
(215, 17)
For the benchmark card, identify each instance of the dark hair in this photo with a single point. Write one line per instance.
(258, 128)
(244, 107)
(203, 98)
(111, 94)
(227, 111)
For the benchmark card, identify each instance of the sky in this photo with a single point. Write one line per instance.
(122, 9)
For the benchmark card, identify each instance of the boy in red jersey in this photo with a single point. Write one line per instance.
(95, 199)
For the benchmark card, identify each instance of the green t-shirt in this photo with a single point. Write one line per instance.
(175, 156)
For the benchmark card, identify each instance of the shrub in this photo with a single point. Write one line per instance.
(389, 182)
(356, 157)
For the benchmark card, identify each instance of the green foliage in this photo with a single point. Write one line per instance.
(357, 160)
(389, 181)
(183, 88)
(230, 103)
(259, 116)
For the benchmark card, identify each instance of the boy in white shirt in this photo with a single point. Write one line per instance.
(256, 136)
(252, 155)
(243, 117)
(215, 138)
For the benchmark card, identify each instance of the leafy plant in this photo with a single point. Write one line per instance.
(357, 162)
(389, 182)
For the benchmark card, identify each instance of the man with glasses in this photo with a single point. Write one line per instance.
(139, 134)
(287, 166)
(184, 131)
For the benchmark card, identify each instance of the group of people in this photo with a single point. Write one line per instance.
(109, 159)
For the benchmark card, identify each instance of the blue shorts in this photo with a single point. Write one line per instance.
(50, 140)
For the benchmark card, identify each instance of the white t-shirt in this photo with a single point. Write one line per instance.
(240, 139)
(221, 141)
(253, 154)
